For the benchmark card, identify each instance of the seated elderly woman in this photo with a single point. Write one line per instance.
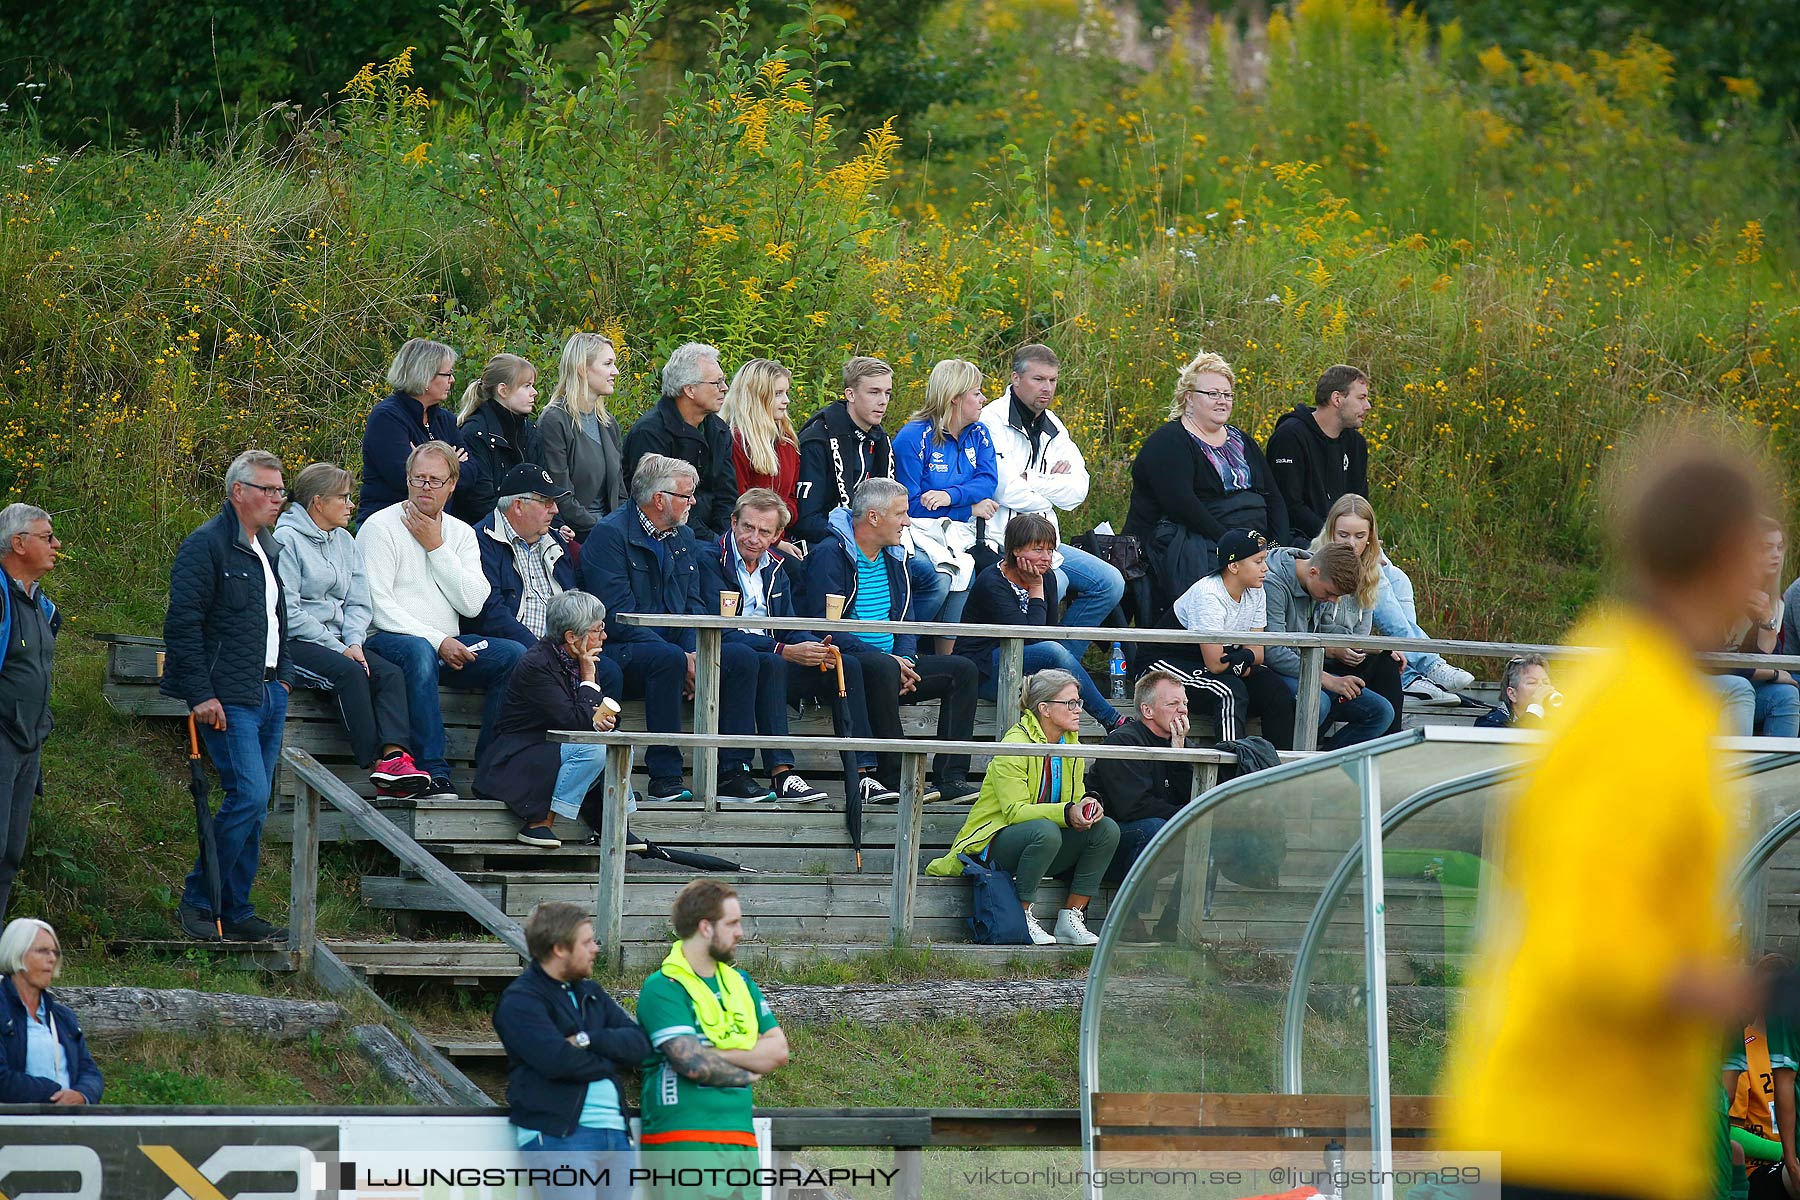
(44, 1058)
(1035, 818)
(559, 684)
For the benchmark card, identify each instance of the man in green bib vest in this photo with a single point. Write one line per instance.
(712, 1035)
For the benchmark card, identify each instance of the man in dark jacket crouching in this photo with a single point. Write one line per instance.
(565, 1041)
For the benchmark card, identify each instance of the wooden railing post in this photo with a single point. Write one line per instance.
(1306, 699)
(1194, 895)
(706, 715)
(1009, 677)
(609, 894)
(303, 895)
(909, 819)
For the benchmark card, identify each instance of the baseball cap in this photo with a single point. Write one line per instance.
(533, 479)
(1238, 544)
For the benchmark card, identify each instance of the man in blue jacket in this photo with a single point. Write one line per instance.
(643, 559)
(525, 560)
(790, 665)
(864, 562)
(225, 637)
(566, 1041)
(29, 624)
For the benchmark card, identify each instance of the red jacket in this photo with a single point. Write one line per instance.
(783, 483)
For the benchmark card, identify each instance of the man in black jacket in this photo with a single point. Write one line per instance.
(566, 1041)
(225, 637)
(1318, 454)
(1142, 795)
(685, 424)
(841, 446)
(29, 624)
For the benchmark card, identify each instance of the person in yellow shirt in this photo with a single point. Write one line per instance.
(1606, 968)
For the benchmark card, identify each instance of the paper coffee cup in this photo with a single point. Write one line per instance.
(834, 606)
(728, 604)
(607, 705)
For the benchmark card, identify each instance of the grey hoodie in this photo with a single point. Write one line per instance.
(1291, 608)
(327, 587)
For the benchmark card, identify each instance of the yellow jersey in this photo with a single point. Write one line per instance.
(1615, 852)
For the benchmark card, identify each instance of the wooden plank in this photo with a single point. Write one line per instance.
(706, 715)
(395, 1063)
(1009, 679)
(1086, 750)
(303, 904)
(1307, 699)
(1213, 1110)
(909, 819)
(609, 884)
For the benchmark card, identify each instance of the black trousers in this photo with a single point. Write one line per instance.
(1382, 674)
(1231, 700)
(371, 704)
(950, 679)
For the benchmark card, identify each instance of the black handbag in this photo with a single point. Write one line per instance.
(1122, 550)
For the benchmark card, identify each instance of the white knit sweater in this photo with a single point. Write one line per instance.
(412, 592)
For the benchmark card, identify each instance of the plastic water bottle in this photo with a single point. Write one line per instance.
(1117, 670)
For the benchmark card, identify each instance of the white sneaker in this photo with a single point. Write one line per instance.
(1451, 679)
(1072, 930)
(1423, 691)
(1038, 936)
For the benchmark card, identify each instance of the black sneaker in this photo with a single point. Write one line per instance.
(873, 791)
(438, 789)
(633, 843)
(954, 791)
(254, 929)
(743, 786)
(197, 923)
(539, 835)
(792, 789)
(668, 791)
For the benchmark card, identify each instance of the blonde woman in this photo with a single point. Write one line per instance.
(944, 457)
(497, 426)
(1350, 521)
(1197, 476)
(582, 447)
(765, 450)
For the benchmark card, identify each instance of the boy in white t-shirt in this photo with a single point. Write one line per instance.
(1227, 678)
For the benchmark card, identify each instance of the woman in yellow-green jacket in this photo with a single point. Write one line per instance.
(1033, 817)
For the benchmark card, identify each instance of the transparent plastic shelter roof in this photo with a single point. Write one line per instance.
(1238, 952)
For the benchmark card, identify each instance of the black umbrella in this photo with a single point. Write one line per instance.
(693, 858)
(203, 823)
(840, 716)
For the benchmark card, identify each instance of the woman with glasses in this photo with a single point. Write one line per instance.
(44, 1056)
(1197, 476)
(328, 615)
(413, 414)
(1035, 817)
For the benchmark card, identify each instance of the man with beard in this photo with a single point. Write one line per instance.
(712, 1035)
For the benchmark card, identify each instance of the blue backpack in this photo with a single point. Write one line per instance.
(997, 918)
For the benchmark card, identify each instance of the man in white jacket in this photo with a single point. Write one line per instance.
(425, 576)
(1042, 470)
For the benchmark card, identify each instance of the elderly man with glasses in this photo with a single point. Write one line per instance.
(425, 580)
(643, 558)
(685, 425)
(225, 637)
(28, 626)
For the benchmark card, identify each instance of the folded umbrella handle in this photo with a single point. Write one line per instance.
(193, 739)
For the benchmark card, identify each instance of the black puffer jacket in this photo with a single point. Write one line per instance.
(499, 441)
(706, 448)
(216, 628)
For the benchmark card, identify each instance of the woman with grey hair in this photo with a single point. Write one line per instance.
(44, 1057)
(1035, 817)
(413, 414)
(685, 424)
(559, 684)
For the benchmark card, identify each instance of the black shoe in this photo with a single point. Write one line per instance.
(873, 791)
(254, 929)
(742, 786)
(792, 789)
(540, 835)
(668, 791)
(198, 923)
(954, 791)
(633, 843)
(438, 789)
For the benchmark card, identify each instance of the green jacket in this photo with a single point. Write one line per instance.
(1009, 793)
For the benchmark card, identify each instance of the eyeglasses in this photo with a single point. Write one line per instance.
(273, 493)
(427, 484)
(687, 496)
(718, 383)
(445, 375)
(1214, 394)
(49, 538)
(1073, 706)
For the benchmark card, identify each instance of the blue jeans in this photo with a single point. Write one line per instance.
(931, 589)
(582, 766)
(1090, 588)
(592, 1152)
(1133, 837)
(657, 672)
(418, 660)
(1738, 695)
(1777, 709)
(1365, 718)
(769, 698)
(245, 755)
(1396, 615)
(1041, 656)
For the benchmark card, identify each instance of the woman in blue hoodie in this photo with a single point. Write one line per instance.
(945, 459)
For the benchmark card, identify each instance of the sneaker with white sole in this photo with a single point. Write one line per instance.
(873, 791)
(399, 775)
(1038, 936)
(543, 835)
(1451, 679)
(1423, 691)
(1072, 930)
(793, 789)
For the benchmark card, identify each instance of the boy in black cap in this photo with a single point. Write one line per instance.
(526, 561)
(1227, 678)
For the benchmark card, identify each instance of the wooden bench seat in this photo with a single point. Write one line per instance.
(1197, 1121)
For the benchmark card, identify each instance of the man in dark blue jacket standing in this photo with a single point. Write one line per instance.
(525, 560)
(29, 623)
(642, 558)
(566, 1041)
(864, 562)
(225, 637)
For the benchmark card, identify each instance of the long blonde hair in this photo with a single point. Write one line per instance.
(1203, 363)
(572, 390)
(750, 411)
(1368, 566)
(502, 370)
(951, 380)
